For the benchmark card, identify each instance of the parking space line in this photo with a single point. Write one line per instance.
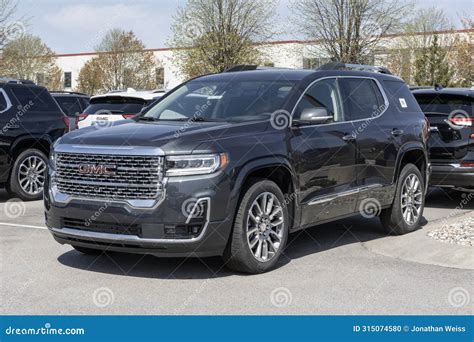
(21, 225)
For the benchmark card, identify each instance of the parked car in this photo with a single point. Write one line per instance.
(450, 112)
(72, 104)
(229, 164)
(116, 105)
(30, 122)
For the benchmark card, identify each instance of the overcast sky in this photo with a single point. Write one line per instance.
(69, 26)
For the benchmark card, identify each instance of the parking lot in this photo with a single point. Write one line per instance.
(346, 267)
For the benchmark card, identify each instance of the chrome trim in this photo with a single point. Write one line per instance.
(114, 238)
(195, 207)
(384, 95)
(149, 151)
(328, 198)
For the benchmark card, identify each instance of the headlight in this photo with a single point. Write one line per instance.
(195, 164)
(52, 160)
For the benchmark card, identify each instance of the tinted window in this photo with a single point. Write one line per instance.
(361, 98)
(37, 99)
(444, 103)
(70, 105)
(323, 94)
(223, 100)
(3, 101)
(399, 94)
(115, 105)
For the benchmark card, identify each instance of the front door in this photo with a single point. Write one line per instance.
(324, 157)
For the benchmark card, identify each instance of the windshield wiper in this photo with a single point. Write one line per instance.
(146, 118)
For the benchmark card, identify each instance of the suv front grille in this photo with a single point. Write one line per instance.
(102, 227)
(127, 177)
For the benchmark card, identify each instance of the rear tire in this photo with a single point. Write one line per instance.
(88, 251)
(29, 163)
(406, 212)
(260, 231)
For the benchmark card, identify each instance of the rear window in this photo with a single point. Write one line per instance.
(400, 94)
(35, 98)
(115, 105)
(445, 103)
(70, 105)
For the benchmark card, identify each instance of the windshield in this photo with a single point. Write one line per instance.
(223, 100)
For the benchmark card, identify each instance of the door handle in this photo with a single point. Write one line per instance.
(397, 132)
(349, 137)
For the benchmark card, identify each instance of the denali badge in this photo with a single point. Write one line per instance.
(97, 169)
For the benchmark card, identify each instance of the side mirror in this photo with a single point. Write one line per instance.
(314, 116)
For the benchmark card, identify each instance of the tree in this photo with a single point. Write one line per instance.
(122, 62)
(214, 35)
(417, 34)
(28, 57)
(460, 55)
(349, 30)
(8, 31)
(432, 67)
(90, 79)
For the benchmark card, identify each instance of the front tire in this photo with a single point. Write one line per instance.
(260, 230)
(28, 175)
(406, 212)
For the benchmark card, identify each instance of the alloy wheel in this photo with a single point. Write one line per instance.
(31, 175)
(412, 199)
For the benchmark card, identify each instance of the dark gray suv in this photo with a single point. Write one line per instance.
(229, 164)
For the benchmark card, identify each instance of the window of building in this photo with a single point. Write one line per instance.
(160, 77)
(67, 79)
(314, 63)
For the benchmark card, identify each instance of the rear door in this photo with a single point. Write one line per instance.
(451, 125)
(6, 139)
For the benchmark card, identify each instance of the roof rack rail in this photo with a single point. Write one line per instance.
(355, 67)
(248, 67)
(14, 80)
(67, 92)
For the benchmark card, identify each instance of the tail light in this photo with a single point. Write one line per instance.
(66, 123)
(81, 117)
(467, 163)
(128, 116)
(461, 121)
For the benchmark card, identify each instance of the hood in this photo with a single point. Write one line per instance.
(167, 135)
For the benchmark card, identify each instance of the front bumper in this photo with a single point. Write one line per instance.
(452, 175)
(147, 230)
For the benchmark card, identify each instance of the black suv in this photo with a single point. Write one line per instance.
(229, 164)
(30, 122)
(450, 112)
(72, 103)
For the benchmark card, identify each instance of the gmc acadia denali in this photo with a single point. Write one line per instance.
(229, 164)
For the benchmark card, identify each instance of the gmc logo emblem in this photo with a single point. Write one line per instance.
(97, 169)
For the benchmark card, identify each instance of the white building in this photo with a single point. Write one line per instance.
(292, 54)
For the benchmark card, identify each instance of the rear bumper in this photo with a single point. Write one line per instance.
(452, 175)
